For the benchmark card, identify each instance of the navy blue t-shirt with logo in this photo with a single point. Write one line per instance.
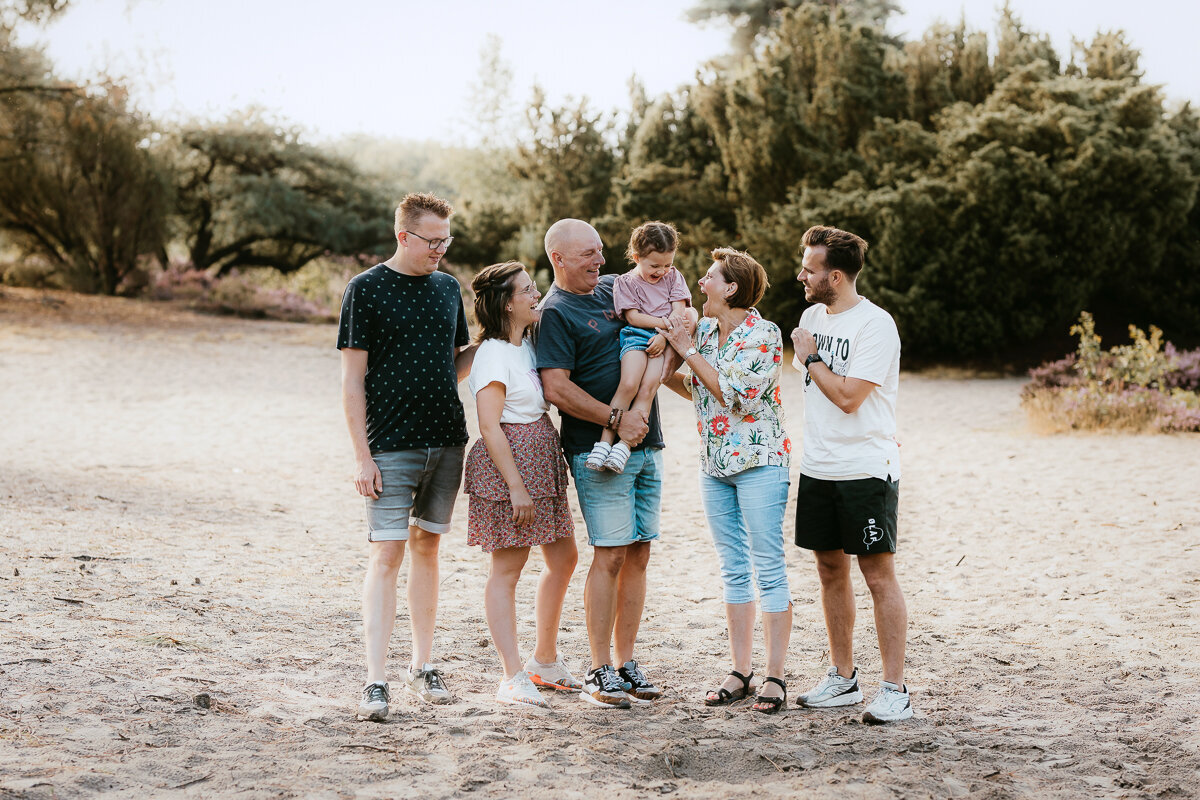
(409, 326)
(581, 333)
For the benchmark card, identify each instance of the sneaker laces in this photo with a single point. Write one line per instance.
(375, 692)
(610, 681)
(433, 680)
(636, 676)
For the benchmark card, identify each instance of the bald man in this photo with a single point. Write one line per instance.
(579, 359)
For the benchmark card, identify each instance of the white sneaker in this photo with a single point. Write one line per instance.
(890, 705)
(519, 690)
(617, 457)
(374, 705)
(552, 676)
(595, 459)
(427, 684)
(833, 691)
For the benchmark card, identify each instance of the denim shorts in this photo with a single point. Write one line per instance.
(419, 488)
(620, 509)
(635, 338)
(745, 513)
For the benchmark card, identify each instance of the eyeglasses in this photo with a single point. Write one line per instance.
(434, 244)
(530, 290)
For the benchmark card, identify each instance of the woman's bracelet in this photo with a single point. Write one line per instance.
(614, 414)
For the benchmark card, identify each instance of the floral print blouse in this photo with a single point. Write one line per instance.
(748, 432)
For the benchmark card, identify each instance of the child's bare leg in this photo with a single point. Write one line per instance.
(672, 361)
(651, 380)
(633, 368)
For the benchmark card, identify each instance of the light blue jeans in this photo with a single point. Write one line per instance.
(622, 509)
(745, 514)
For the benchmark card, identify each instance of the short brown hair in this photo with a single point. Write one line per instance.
(843, 250)
(417, 204)
(652, 237)
(741, 268)
(493, 289)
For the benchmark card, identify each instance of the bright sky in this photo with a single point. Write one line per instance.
(401, 68)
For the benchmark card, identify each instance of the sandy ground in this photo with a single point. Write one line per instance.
(181, 554)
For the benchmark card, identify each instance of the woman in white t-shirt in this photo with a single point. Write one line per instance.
(516, 477)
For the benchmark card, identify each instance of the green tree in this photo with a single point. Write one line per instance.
(673, 172)
(750, 18)
(79, 185)
(1053, 195)
(564, 166)
(794, 113)
(252, 194)
(945, 66)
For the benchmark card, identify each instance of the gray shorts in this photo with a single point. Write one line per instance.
(419, 488)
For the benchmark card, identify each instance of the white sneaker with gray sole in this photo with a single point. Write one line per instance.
(833, 691)
(891, 704)
(374, 705)
(427, 684)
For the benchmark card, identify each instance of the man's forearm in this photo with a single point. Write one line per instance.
(354, 404)
(570, 399)
(836, 388)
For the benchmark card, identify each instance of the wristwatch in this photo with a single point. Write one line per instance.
(691, 351)
(812, 359)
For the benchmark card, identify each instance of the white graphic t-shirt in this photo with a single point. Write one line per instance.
(499, 361)
(859, 343)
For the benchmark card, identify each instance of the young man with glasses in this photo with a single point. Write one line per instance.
(403, 337)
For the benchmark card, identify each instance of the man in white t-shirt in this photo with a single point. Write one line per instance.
(849, 484)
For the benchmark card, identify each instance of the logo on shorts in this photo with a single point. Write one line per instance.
(872, 534)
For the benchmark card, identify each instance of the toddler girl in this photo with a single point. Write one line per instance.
(644, 297)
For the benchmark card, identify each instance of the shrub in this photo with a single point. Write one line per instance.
(1140, 386)
(311, 294)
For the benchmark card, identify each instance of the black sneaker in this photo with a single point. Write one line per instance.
(640, 689)
(604, 687)
(374, 705)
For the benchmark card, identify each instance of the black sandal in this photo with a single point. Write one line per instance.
(724, 697)
(773, 703)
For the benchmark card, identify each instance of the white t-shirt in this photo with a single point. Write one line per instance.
(499, 361)
(859, 343)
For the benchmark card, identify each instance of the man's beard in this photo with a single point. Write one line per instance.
(822, 293)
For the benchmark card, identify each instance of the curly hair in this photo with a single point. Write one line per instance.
(493, 289)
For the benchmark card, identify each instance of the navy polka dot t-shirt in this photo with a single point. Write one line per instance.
(409, 326)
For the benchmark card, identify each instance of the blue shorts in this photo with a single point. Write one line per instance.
(419, 489)
(635, 338)
(620, 509)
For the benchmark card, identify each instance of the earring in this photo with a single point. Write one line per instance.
(508, 308)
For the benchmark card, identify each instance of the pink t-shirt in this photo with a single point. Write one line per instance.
(631, 291)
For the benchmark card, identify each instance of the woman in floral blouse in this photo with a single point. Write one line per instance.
(735, 362)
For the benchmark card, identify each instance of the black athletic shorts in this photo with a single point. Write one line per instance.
(857, 516)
